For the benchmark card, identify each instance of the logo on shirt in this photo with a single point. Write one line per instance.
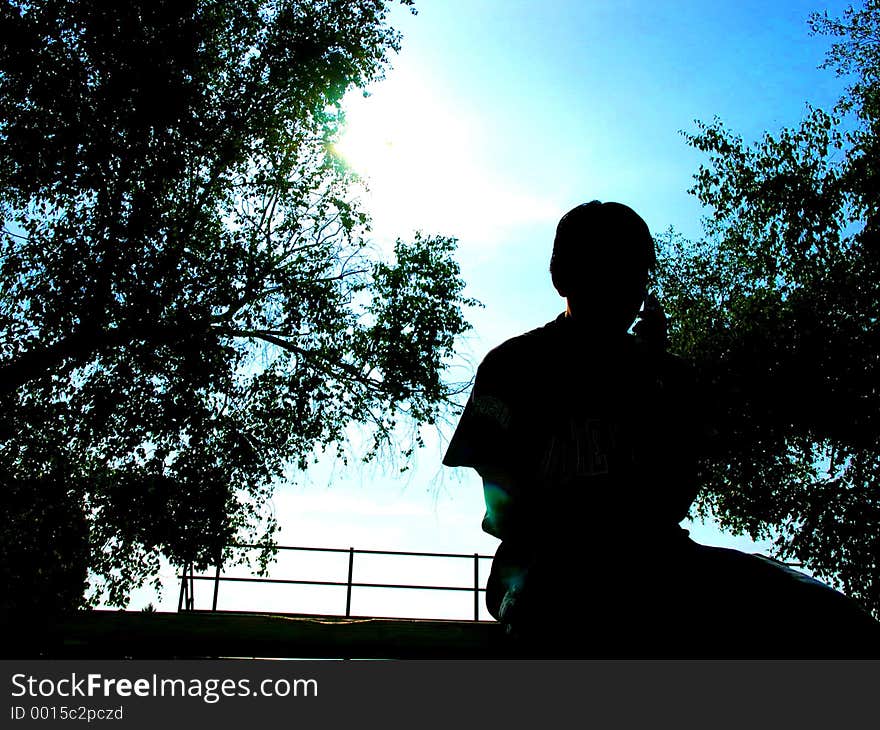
(581, 451)
(492, 407)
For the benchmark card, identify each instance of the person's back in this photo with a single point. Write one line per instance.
(587, 439)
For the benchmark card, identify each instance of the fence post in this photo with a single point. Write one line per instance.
(180, 600)
(217, 579)
(192, 587)
(350, 573)
(476, 586)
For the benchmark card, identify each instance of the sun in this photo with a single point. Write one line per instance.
(402, 128)
(421, 159)
(414, 154)
(366, 145)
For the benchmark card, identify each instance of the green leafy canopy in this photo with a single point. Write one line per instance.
(189, 303)
(778, 305)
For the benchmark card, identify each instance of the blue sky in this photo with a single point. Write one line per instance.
(496, 118)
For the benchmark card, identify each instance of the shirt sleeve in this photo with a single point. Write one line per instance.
(485, 435)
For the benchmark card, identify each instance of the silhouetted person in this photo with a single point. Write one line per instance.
(588, 439)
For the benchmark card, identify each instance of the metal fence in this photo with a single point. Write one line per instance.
(186, 601)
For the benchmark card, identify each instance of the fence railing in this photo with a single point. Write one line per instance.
(186, 601)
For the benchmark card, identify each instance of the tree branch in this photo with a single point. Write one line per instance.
(322, 363)
(77, 348)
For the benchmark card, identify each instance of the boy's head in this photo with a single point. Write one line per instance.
(602, 256)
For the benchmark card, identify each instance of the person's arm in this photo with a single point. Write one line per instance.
(486, 441)
(652, 325)
(499, 493)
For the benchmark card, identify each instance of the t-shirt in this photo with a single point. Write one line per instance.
(591, 435)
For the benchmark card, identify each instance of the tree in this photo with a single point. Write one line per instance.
(778, 306)
(188, 297)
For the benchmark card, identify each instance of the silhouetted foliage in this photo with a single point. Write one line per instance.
(188, 300)
(779, 307)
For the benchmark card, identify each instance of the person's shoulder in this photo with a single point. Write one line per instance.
(666, 359)
(678, 371)
(678, 363)
(670, 367)
(522, 349)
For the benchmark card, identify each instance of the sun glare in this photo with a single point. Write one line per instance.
(419, 157)
(411, 152)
